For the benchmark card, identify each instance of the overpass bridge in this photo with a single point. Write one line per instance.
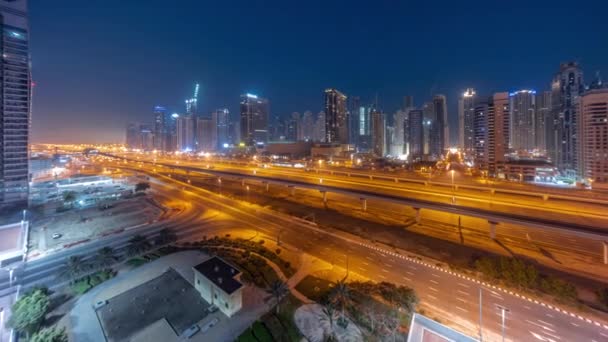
(492, 217)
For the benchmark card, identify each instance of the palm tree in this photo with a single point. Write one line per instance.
(341, 295)
(329, 315)
(277, 290)
(105, 257)
(74, 268)
(165, 236)
(138, 244)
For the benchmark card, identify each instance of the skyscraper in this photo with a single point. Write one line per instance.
(544, 123)
(320, 134)
(566, 88)
(491, 133)
(427, 123)
(206, 131)
(254, 119)
(160, 128)
(594, 135)
(16, 104)
(192, 111)
(378, 126)
(398, 140)
(522, 115)
(416, 142)
(466, 122)
(185, 133)
(336, 118)
(221, 117)
(308, 126)
(139, 136)
(408, 102)
(442, 141)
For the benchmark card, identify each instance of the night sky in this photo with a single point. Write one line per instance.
(100, 64)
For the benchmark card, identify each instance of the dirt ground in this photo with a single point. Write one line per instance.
(76, 225)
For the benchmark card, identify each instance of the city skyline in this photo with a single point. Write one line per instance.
(286, 72)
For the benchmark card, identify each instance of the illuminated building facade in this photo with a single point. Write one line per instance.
(16, 104)
(466, 122)
(594, 135)
(566, 88)
(522, 115)
(254, 120)
(336, 117)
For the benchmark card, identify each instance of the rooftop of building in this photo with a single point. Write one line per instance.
(221, 273)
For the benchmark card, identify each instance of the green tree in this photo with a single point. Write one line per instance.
(50, 335)
(74, 268)
(138, 244)
(105, 257)
(69, 197)
(489, 267)
(165, 236)
(29, 311)
(277, 291)
(142, 186)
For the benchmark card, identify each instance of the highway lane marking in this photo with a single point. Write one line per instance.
(549, 315)
(409, 273)
(604, 335)
(464, 293)
(432, 297)
(462, 300)
(539, 325)
(381, 276)
(362, 269)
(412, 267)
(368, 258)
(407, 279)
(384, 270)
(463, 285)
(365, 263)
(527, 307)
(434, 282)
(576, 325)
(435, 275)
(461, 309)
(433, 289)
(496, 296)
(543, 322)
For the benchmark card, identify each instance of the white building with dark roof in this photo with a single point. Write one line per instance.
(218, 283)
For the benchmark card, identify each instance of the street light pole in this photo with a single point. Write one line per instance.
(503, 314)
(480, 315)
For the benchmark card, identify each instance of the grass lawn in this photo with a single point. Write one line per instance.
(281, 326)
(136, 262)
(314, 288)
(247, 336)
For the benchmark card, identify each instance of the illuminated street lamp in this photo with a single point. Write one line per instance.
(503, 311)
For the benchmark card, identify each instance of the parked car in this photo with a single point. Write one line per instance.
(99, 304)
(191, 331)
(210, 324)
(212, 309)
(56, 236)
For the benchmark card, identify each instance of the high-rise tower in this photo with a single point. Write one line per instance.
(466, 122)
(254, 119)
(336, 118)
(566, 88)
(16, 104)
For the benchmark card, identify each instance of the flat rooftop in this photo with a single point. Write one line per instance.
(11, 241)
(220, 273)
(424, 329)
(168, 297)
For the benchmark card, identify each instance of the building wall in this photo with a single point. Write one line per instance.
(594, 135)
(15, 111)
(228, 304)
(336, 119)
(466, 122)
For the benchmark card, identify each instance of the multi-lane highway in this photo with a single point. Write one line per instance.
(452, 298)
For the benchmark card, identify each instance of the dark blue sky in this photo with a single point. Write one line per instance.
(99, 64)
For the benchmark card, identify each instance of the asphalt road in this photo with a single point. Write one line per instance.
(454, 298)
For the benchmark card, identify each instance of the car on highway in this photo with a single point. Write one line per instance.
(56, 236)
